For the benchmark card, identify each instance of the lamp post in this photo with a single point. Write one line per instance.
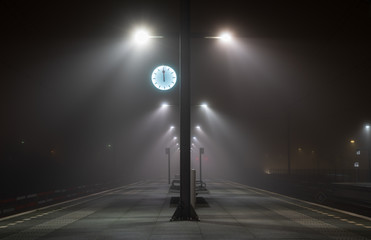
(167, 151)
(367, 128)
(202, 150)
(184, 210)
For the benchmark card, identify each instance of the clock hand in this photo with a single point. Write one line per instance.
(163, 72)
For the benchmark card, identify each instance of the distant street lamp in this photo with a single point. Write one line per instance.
(202, 151)
(367, 128)
(167, 151)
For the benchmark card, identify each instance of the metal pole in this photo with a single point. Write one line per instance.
(288, 144)
(202, 150)
(185, 210)
(167, 151)
(200, 168)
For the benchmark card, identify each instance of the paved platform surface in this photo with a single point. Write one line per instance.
(143, 210)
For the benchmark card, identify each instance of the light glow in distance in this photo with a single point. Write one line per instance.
(204, 105)
(164, 105)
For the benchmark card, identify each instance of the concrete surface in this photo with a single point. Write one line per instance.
(143, 210)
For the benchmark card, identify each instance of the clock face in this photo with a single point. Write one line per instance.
(164, 77)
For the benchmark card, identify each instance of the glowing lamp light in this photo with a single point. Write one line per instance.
(198, 127)
(367, 127)
(226, 37)
(164, 105)
(352, 141)
(175, 138)
(141, 36)
(204, 105)
(171, 127)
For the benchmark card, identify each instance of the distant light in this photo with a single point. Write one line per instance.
(367, 127)
(141, 36)
(204, 105)
(177, 144)
(356, 164)
(109, 146)
(226, 37)
(171, 127)
(175, 138)
(22, 141)
(164, 105)
(300, 149)
(194, 138)
(198, 127)
(352, 141)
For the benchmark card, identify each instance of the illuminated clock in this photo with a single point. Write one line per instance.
(163, 77)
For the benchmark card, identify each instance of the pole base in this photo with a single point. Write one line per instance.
(181, 214)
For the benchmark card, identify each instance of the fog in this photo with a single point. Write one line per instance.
(78, 105)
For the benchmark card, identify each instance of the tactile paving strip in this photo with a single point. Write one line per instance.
(45, 228)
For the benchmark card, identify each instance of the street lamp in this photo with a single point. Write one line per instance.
(204, 105)
(184, 209)
(164, 105)
(224, 37)
(167, 151)
(141, 36)
(367, 128)
(202, 151)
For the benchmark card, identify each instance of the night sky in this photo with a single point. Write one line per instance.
(78, 105)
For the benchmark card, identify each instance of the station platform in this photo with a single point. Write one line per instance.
(143, 210)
